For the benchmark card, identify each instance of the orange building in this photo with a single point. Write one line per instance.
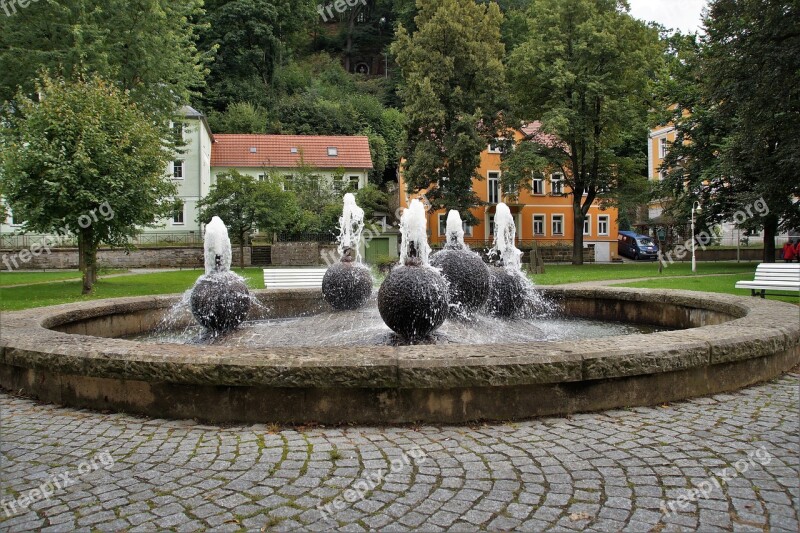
(542, 214)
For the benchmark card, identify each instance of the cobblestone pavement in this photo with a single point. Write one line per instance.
(605, 471)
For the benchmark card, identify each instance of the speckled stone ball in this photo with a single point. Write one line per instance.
(467, 277)
(507, 295)
(220, 301)
(347, 286)
(413, 301)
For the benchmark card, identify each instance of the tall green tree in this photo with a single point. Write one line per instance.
(738, 116)
(250, 39)
(145, 46)
(84, 160)
(246, 204)
(585, 71)
(453, 90)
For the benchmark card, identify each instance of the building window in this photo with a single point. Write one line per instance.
(15, 221)
(177, 131)
(491, 225)
(494, 187)
(177, 170)
(662, 174)
(288, 182)
(538, 225)
(663, 148)
(262, 177)
(496, 146)
(587, 225)
(442, 224)
(602, 224)
(557, 184)
(177, 213)
(333, 151)
(558, 224)
(354, 182)
(537, 186)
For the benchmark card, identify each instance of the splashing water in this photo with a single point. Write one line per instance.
(413, 228)
(217, 247)
(351, 224)
(504, 233)
(455, 230)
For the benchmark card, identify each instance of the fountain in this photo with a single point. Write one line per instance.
(219, 299)
(347, 285)
(466, 273)
(413, 299)
(510, 289)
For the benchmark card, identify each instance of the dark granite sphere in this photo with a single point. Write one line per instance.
(347, 286)
(220, 301)
(413, 301)
(467, 277)
(508, 293)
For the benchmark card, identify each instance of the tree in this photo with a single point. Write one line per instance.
(245, 204)
(84, 160)
(585, 72)
(453, 90)
(738, 129)
(240, 117)
(145, 46)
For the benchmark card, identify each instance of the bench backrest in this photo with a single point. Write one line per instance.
(293, 278)
(778, 272)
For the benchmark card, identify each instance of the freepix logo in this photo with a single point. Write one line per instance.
(9, 7)
(340, 6)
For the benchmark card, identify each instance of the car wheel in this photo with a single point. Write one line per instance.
(636, 256)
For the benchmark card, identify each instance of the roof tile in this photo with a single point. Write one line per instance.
(275, 151)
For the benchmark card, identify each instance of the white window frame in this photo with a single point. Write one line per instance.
(540, 181)
(181, 164)
(356, 179)
(553, 219)
(603, 219)
(587, 225)
(495, 148)
(442, 224)
(489, 180)
(12, 222)
(663, 147)
(490, 222)
(559, 181)
(537, 217)
(178, 133)
(333, 151)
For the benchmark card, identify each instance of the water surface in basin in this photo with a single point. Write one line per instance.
(364, 327)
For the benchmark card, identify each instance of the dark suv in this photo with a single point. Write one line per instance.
(636, 246)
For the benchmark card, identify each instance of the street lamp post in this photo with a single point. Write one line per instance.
(694, 210)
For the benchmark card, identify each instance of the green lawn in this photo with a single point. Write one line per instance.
(12, 298)
(18, 278)
(178, 281)
(723, 284)
(558, 274)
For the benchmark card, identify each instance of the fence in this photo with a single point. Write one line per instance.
(322, 238)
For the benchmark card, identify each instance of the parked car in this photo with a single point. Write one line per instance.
(636, 246)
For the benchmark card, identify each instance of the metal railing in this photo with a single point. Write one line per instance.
(322, 237)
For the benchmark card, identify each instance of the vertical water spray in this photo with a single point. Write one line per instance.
(219, 299)
(510, 288)
(413, 298)
(347, 285)
(466, 274)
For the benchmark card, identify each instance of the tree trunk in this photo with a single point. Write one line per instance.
(88, 251)
(577, 233)
(770, 229)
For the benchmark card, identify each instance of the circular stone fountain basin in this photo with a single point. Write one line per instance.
(72, 355)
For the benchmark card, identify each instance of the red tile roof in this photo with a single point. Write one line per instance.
(237, 150)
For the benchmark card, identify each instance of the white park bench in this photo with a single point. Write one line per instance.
(773, 276)
(293, 278)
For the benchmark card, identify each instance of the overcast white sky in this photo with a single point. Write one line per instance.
(681, 15)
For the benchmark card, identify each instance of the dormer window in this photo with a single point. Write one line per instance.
(333, 151)
(253, 150)
(293, 149)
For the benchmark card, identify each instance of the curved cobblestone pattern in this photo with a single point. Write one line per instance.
(610, 471)
(736, 341)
